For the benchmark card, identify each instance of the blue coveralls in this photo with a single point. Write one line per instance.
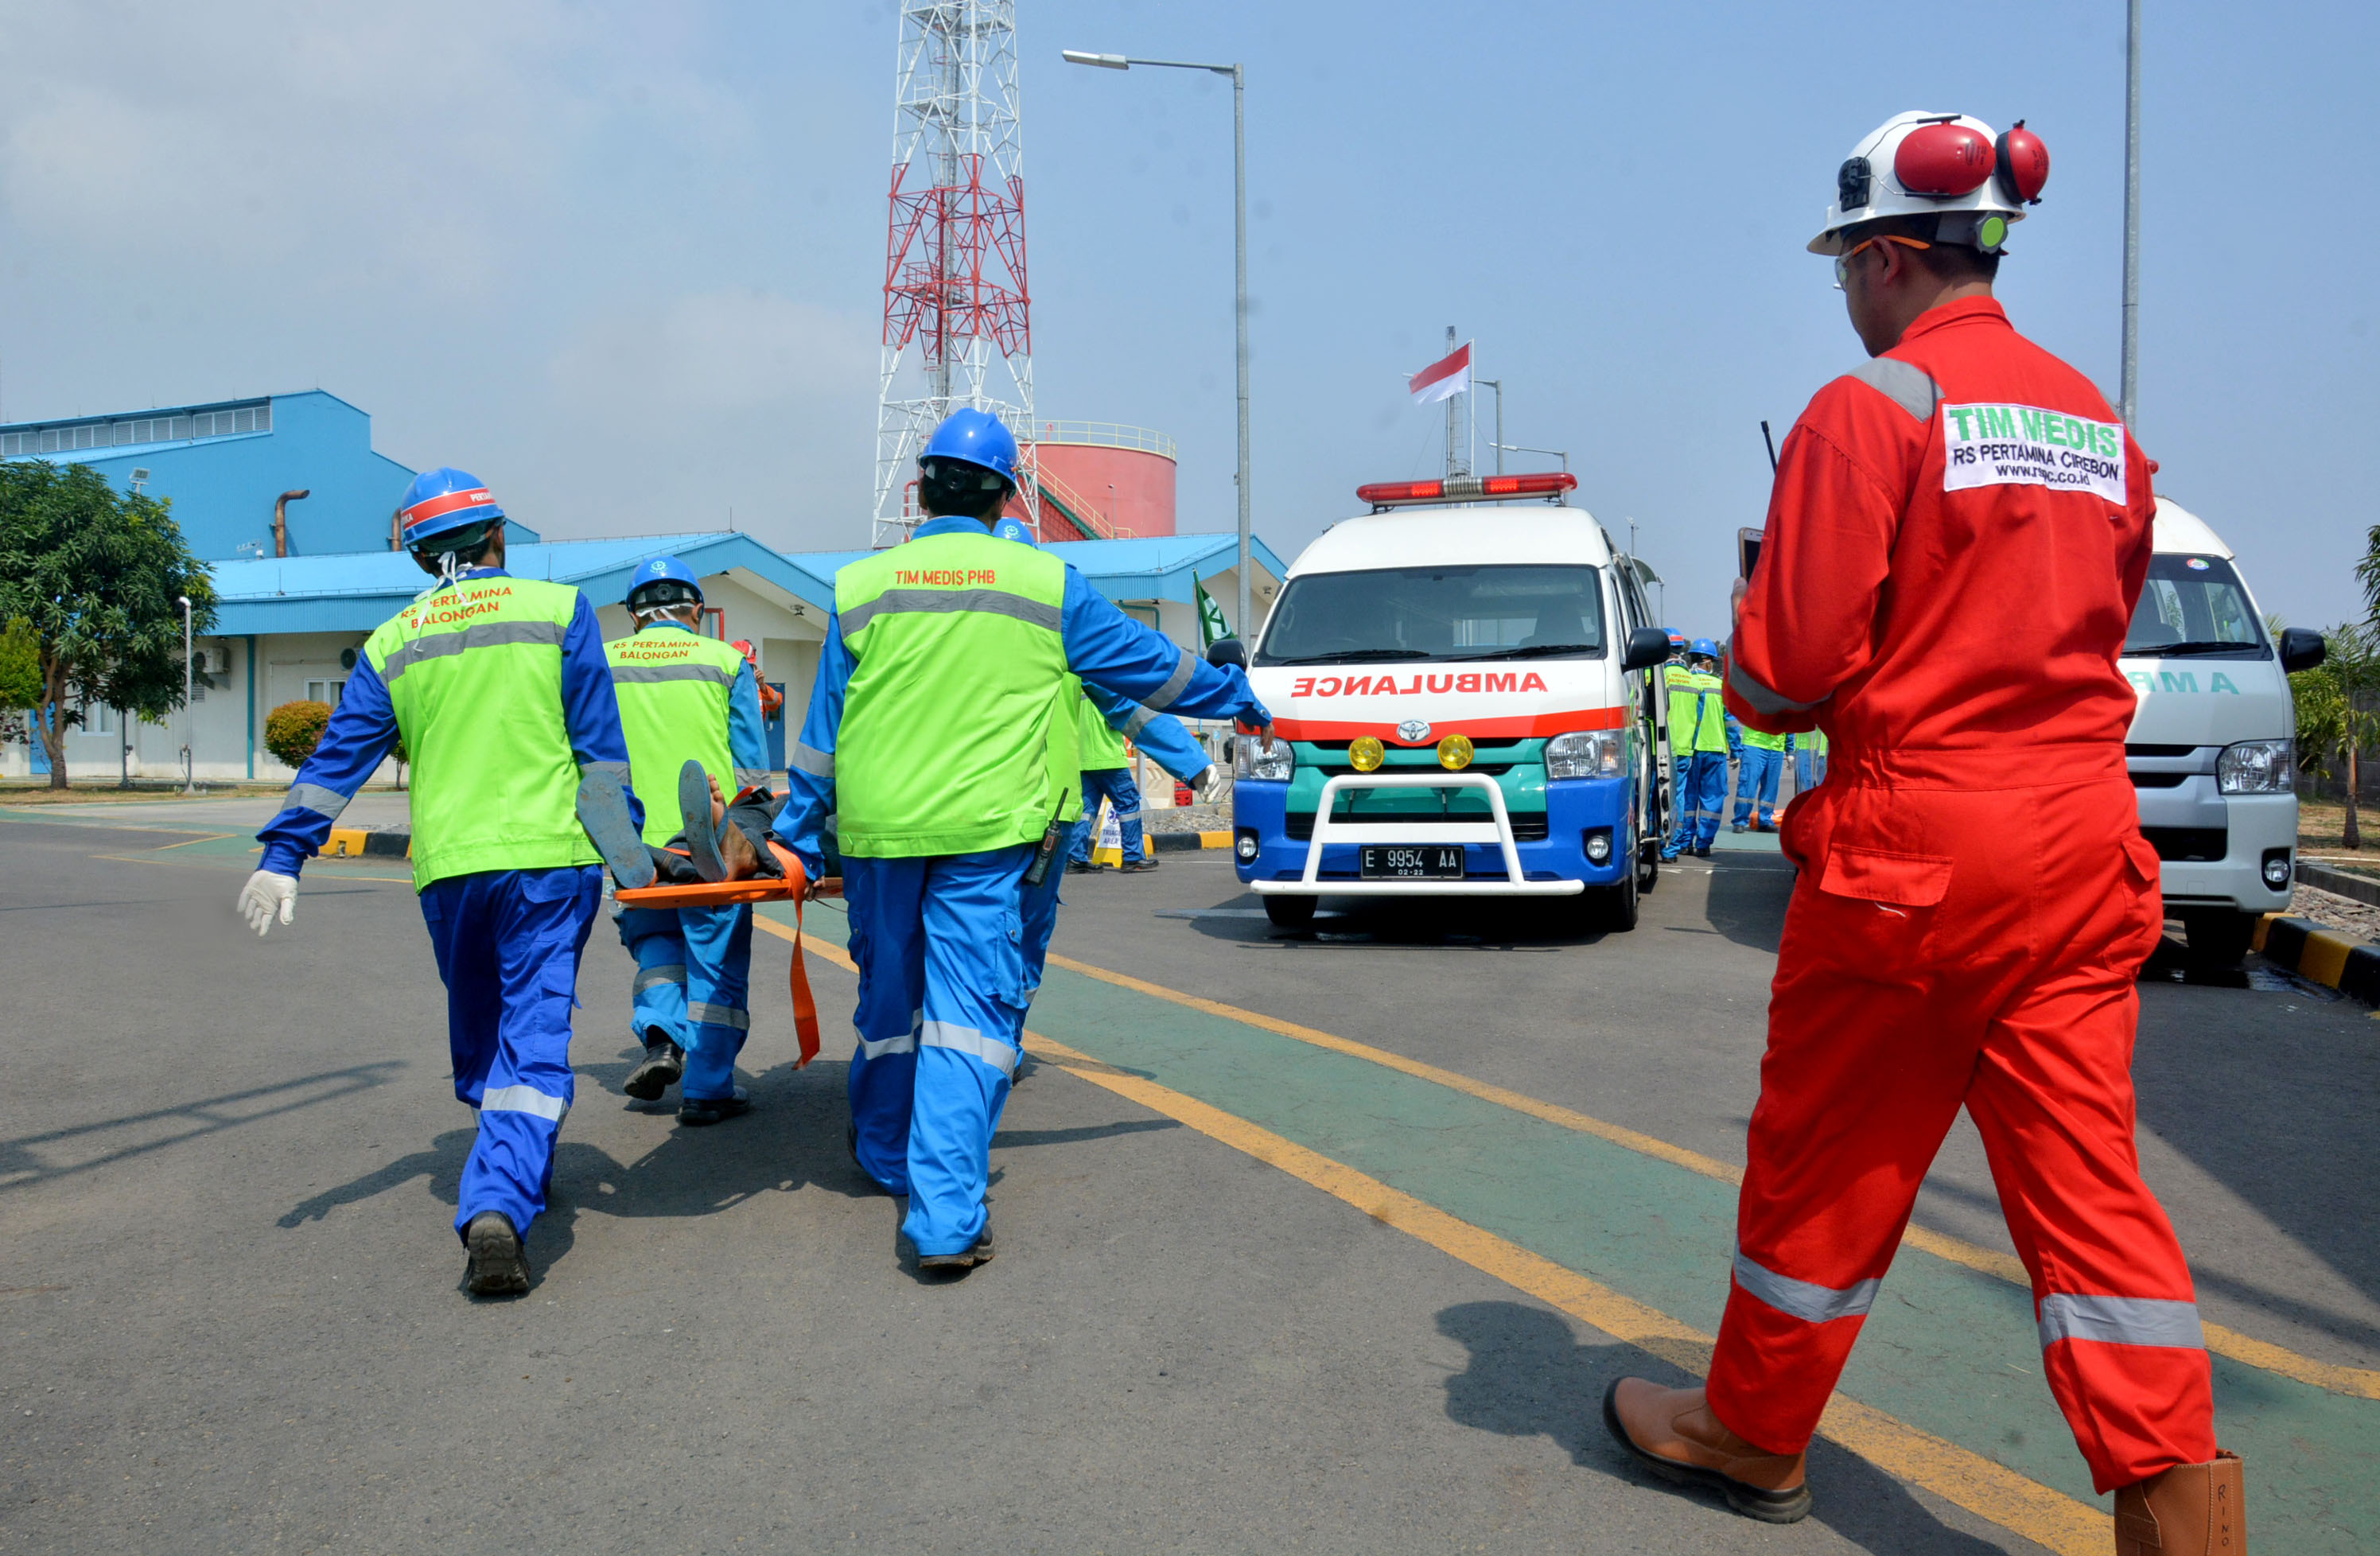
(940, 940)
(694, 965)
(1755, 785)
(1115, 784)
(1160, 736)
(507, 940)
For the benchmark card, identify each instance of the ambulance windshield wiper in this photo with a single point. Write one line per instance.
(1532, 650)
(2187, 650)
(1353, 656)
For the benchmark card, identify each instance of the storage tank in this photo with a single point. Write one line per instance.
(1118, 480)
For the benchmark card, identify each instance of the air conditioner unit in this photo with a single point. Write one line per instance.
(211, 658)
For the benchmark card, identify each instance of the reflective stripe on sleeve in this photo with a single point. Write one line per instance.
(1908, 387)
(1810, 1303)
(2120, 1320)
(649, 674)
(966, 1039)
(1176, 684)
(323, 802)
(1761, 696)
(818, 764)
(524, 1100)
(704, 1014)
(486, 635)
(991, 601)
(1139, 721)
(653, 978)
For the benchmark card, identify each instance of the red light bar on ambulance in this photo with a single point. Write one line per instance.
(1548, 485)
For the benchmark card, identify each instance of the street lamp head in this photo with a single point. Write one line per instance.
(1104, 61)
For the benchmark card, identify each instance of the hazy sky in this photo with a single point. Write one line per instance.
(623, 261)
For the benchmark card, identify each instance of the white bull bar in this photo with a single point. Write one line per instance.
(1496, 830)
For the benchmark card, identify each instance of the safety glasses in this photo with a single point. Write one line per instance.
(1843, 260)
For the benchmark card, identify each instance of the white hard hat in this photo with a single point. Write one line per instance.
(1938, 164)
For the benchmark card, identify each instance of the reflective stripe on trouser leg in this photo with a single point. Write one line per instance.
(1116, 783)
(887, 942)
(719, 981)
(508, 944)
(1702, 795)
(975, 1000)
(657, 996)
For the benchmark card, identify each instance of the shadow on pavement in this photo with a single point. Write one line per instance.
(56, 1153)
(1747, 902)
(1529, 1377)
(1070, 1136)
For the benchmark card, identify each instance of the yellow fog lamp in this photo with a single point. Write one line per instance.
(1366, 753)
(1454, 753)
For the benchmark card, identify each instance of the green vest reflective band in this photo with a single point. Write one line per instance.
(474, 673)
(1763, 739)
(1102, 747)
(945, 744)
(674, 688)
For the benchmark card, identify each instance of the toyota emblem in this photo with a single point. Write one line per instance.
(1412, 731)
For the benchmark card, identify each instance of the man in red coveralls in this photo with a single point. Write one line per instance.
(1958, 535)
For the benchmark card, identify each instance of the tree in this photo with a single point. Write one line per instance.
(2368, 570)
(96, 574)
(21, 666)
(2336, 703)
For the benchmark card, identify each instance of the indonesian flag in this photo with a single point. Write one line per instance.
(1449, 376)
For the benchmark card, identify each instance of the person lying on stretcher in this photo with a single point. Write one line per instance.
(720, 839)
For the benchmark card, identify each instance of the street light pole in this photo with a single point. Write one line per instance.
(189, 757)
(1244, 621)
(2130, 392)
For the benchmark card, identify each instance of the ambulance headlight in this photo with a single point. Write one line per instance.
(1271, 762)
(1366, 753)
(2256, 767)
(1599, 846)
(1583, 753)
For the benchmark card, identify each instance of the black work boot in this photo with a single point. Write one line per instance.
(980, 1253)
(499, 1264)
(664, 1062)
(697, 1111)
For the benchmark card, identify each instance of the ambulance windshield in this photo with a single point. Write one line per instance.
(1440, 613)
(2193, 607)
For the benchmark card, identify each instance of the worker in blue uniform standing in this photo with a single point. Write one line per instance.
(1107, 775)
(498, 689)
(928, 738)
(687, 698)
(1698, 741)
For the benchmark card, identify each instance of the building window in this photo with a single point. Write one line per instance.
(98, 718)
(138, 430)
(325, 691)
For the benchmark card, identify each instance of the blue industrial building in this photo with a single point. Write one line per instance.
(223, 466)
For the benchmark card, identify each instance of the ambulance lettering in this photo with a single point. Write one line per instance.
(2147, 682)
(1458, 682)
(2024, 446)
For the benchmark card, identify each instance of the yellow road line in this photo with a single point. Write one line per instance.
(1981, 1486)
(2355, 1382)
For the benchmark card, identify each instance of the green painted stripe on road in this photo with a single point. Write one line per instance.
(1946, 1349)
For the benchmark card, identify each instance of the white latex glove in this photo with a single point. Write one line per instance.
(1202, 782)
(266, 895)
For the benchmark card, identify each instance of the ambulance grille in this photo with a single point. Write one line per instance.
(2194, 845)
(1525, 828)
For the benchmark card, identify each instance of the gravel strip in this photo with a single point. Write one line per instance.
(2335, 912)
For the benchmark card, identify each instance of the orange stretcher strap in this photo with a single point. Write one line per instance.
(794, 886)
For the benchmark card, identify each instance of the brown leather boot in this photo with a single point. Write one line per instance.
(1674, 1434)
(2190, 1510)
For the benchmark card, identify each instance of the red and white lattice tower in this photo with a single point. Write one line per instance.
(956, 331)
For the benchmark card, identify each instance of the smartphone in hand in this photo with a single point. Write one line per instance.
(1747, 552)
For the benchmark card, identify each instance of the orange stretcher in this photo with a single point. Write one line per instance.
(794, 886)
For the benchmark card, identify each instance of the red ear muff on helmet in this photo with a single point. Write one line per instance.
(2021, 167)
(1943, 161)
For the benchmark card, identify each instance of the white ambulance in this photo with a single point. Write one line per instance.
(1465, 704)
(2213, 747)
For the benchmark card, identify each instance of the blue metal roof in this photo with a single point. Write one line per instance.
(357, 591)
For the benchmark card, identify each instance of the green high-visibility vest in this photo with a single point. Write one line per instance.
(945, 744)
(1101, 747)
(1066, 753)
(474, 673)
(1697, 711)
(1763, 739)
(674, 688)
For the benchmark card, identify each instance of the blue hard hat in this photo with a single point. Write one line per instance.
(1705, 647)
(978, 438)
(662, 569)
(1676, 640)
(441, 501)
(1014, 529)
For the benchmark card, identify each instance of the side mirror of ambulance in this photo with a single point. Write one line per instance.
(1647, 646)
(1227, 651)
(2302, 649)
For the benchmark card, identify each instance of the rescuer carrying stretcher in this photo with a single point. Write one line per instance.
(928, 740)
(1958, 534)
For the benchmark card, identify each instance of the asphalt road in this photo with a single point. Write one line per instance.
(234, 1320)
